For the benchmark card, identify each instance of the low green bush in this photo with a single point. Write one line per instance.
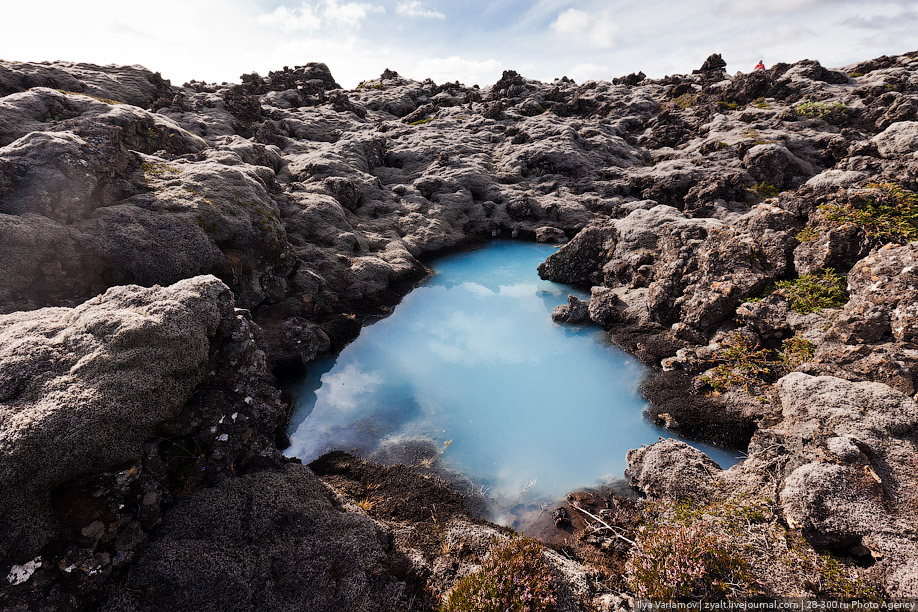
(741, 362)
(765, 190)
(821, 110)
(808, 234)
(812, 292)
(796, 351)
(890, 215)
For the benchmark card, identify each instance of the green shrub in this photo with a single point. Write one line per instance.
(813, 292)
(807, 234)
(741, 362)
(514, 578)
(158, 168)
(687, 562)
(765, 190)
(890, 216)
(821, 110)
(796, 351)
(686, 100)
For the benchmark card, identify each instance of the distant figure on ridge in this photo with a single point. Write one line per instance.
(760, 66)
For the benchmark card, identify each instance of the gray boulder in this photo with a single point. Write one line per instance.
(884, 298)
(82, 389)
(852, 444)
(575, 311)
(900, 138)
(671, 469)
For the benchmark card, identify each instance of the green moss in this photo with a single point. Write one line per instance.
(728, 105)
(890, 216)
(821, 110)
(158, 169)
(854, 75)
(421, 121)
(830, 579)
(807, 234)
(764, 190)
(756, 138)
(813, 292)
(197, 193)
(514, 578)
(835, 582)
(208, 228)
(686, 100)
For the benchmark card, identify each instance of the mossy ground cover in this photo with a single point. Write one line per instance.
(827, 111)
(813, 292)
(887, 213)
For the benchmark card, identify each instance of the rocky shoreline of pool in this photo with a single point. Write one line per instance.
(171, 252)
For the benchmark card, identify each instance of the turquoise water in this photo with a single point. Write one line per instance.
(533, 409)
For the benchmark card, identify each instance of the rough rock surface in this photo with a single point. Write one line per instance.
(272, 540)
(686, 198)
(671, 469)
(114, 369)
(575, 311)
(857, 446)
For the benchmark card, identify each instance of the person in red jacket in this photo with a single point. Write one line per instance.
(760, 66)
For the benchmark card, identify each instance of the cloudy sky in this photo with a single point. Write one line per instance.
(471, 40)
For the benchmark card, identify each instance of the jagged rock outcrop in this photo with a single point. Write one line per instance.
(126, 84)
(113, 409)
(575, 311)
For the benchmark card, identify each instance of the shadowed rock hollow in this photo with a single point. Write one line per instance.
(166, 249)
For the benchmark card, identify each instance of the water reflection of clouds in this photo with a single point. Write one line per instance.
(342, 388)
(474, 288)
(470, 340)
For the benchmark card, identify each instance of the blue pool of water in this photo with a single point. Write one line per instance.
(533, 409)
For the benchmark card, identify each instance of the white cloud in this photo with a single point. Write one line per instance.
(598, 30)
(455, 68)
(306, 17)
(291, 20)
(350, 13)
(358, 40)
(744, 8)
(417, 9)
(589, 72)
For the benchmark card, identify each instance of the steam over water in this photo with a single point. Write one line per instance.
(534, 409)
